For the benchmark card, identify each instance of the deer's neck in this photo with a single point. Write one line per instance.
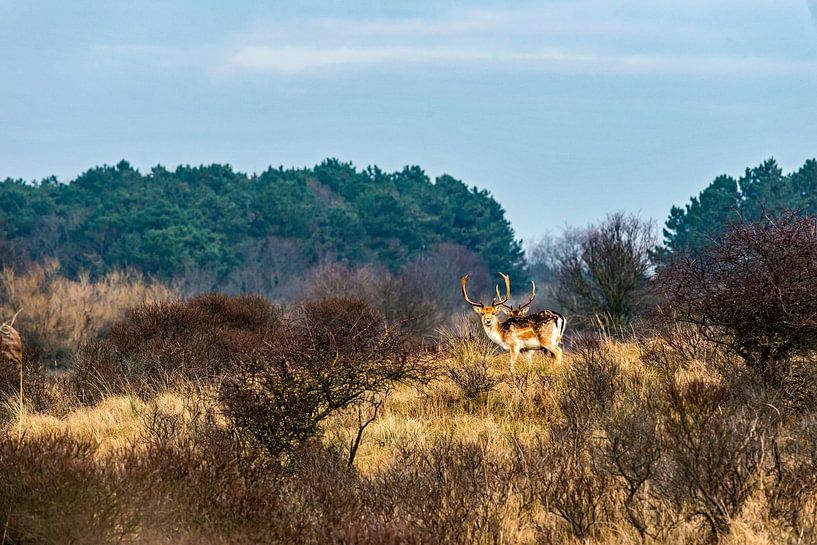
(495, 333)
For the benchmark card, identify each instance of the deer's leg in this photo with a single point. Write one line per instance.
(556, 353)
(514, 349)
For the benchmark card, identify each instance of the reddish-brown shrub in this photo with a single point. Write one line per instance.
(158, 343)
(54, 491)
(751, 291)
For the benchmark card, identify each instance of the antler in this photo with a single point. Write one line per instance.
(463, 281)
(531, 297)
(9, 323)
(502, 300)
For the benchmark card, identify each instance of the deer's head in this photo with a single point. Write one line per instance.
(521, 310)
(488, 313)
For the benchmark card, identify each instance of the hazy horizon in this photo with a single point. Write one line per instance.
(565, 111)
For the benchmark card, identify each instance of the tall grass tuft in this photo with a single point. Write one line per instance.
(62, 313)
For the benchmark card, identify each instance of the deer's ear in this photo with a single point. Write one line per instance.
(478, 310)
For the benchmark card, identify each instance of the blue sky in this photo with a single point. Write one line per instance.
(564, 110)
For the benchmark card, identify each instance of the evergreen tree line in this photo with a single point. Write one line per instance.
(216, 227)
(762, 191)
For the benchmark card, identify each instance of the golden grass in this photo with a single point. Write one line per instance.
(415, 416)
(115, 422)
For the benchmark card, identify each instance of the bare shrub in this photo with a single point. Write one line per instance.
(604, 272)
(401, 299)
(792, 480)
(674, 347)
(469, 363)
(716, 451)
(196, 476)
(474, 379)
(751, 291)
(567, 479)
(60, 314)
(453, 491)
(437, 272)
(337, 352)
(589, 387)
(633, 453)
(200, 482)
(420, 298)
(272, 266)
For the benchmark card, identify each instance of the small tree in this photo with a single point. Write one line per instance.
(604, 270)
(753, 291)
(337, 353)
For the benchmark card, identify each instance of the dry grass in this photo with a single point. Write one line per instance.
(59, 314)
(114, 423)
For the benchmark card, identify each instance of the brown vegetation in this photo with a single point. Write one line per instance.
(603, 272)
(227, 420)
(11, 353)
(752, 292)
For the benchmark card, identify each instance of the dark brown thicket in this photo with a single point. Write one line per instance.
(54, 491)
(336, 354)
(566, 471)
(632, 453)
(792, 480)
(752, 291)
(157, 344)
(452, 492)
(566, 479)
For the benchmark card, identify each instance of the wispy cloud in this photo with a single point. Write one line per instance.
(584, 36)
(291, 60)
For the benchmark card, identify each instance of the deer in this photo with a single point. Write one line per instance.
(541, 331)
(11, 346)
(11, 353)
(521, 310)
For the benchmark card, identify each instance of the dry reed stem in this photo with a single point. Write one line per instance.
(62, 313)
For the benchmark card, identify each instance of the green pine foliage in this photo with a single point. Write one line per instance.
(167, 223)
(763, 190)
